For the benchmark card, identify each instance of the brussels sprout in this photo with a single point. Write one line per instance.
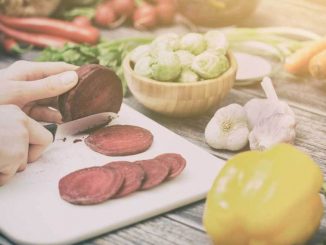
(166, 42)
(216, 42)
(194, 43)
(139, 52)
(143, 66)
(209, 65)
(166, 66)
(185, 57)
(188, 76)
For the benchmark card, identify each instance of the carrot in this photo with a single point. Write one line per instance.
(317, 65)
(298, 62)
(38, 40)
(68, 30)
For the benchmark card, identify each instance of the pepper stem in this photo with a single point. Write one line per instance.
(269, 89)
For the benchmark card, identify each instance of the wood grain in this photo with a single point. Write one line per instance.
(306, 96)
(160, 230)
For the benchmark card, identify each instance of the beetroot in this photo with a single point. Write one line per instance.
(175, 162)
(123, 7)
(155, 172)
(98, 90)
(145, 17)
(105, 14)
(90, 185)
(120, 140)
(133, 175)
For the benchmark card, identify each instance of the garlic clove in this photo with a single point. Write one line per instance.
(228, 128)
(278, 128)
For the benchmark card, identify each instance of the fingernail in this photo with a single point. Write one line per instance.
(69, 78)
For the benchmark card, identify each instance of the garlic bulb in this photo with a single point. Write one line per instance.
(258, 109)
(271, 120)
(228, 128)
(279, 127)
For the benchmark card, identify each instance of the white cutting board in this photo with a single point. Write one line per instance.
(32, 212)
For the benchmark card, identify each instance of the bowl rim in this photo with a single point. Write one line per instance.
(232, 69)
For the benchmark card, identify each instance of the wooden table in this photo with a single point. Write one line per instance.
(306, 96)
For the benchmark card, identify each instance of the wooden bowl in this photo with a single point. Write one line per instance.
(180, 99)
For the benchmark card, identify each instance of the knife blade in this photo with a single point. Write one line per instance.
(80, 125)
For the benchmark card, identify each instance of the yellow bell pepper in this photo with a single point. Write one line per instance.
(265, 198)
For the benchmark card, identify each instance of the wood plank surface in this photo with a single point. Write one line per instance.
(306, 96)
(160, 230)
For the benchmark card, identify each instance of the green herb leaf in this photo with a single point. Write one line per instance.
(89, 12)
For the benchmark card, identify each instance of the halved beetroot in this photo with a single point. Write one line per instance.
(98, 90)
(90, 185)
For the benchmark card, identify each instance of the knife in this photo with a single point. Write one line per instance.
(80, 125)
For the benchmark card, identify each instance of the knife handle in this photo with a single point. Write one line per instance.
(52, 128)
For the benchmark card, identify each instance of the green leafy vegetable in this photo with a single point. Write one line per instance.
(69, 9)
(77, 54)
(194, 43)
(166, 66)
(188, 76)
(165, 42)
(139, 52)
(143, 66)
(106, 53)
(209, 65)
(70, 14)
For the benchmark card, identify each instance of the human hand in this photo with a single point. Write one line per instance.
(22, 140)
(26, 84)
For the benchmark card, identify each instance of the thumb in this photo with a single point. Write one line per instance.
(48, 87)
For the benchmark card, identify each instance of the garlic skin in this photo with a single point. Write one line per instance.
(228, 128)
(259, 109)
(277, 128)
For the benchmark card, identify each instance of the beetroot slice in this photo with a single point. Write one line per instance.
(90, 185)
(174, 161)
(133, 177)
(155, 172)
(120, 140)
(98, 90)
